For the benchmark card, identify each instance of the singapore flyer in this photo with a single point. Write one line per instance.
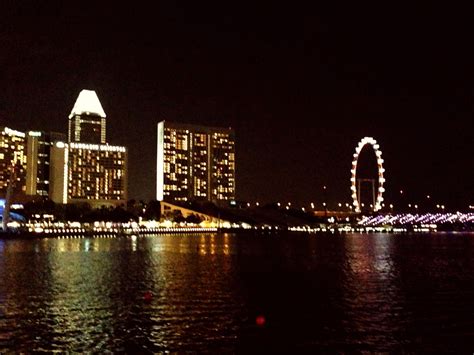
(380, 189)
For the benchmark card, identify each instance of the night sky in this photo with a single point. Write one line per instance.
(300, 85)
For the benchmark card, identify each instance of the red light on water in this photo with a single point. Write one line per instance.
(260, 321)
(148, 296)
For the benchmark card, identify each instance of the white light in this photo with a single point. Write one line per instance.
(65, 174)
(87, 102)
(375, 146)
(34, 134)
(99, 147)
(12, 132)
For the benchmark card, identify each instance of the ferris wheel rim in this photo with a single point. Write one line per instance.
(380, 173)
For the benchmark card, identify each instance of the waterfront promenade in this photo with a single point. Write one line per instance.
(400, 223)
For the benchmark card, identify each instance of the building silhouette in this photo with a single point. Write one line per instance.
(38, 159)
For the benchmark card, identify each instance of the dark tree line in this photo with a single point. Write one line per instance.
(83, 212)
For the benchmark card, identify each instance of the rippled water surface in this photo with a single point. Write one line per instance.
(313, 293)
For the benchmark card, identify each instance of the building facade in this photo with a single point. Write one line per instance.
(12, 158)
(92, 173)
(87, 168)
(38, 156)
(195, 163)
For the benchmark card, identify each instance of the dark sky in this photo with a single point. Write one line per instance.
(301, 86)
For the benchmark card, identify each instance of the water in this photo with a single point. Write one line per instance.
(316, 293)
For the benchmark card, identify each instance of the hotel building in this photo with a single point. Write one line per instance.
(86, 168)
(195, 163)
(12, 157)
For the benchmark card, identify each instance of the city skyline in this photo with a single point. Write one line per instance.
(300, 88)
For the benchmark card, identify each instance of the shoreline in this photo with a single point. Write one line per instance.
(115, 233)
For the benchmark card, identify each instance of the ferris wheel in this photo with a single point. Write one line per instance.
(355, 183)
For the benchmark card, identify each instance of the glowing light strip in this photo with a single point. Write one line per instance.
(380, 189)
(160, 156)
(12, 132)
(65, 172)
(101, 147)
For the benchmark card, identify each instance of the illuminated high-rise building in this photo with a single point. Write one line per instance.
(12, 157)
(87, 120)
(92, 173)
(38, 149)
(195, 163)
(86, 168)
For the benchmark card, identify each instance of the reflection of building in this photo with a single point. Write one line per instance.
(87, 169)
(12, 154)
(38, 161)
(195, 162)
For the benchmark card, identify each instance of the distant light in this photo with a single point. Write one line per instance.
(260, 321)
(381, 179)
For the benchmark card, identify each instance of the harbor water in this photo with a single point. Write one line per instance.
(221, 293)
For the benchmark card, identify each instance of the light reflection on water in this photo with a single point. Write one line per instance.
(336, 293)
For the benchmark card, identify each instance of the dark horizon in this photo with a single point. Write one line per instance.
(300, 86)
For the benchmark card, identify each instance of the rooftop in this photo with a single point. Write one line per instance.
(87, 103)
